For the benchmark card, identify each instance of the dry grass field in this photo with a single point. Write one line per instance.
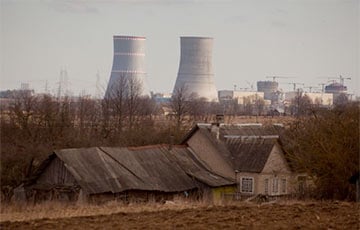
(113, 215)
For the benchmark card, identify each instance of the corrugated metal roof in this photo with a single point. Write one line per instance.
(151, 168)
(250, 130)
(194, 168)
(245, 147)
(238, 130)
(250, 155)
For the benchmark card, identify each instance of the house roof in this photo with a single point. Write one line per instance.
(250, 155)
(246, 147)
(197, 170)
(238, 130)
(249, 130)
(151, 168)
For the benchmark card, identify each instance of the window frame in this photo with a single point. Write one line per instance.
(247, 178)
(275, 186)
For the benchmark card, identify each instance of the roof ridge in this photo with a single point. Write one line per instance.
(134, 148)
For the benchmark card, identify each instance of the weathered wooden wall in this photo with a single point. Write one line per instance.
(55, 183)
(56, 174)
(207, 152)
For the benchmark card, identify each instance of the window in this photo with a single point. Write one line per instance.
(247, 184)
(275, 185)
(283, 186)
(266, 186)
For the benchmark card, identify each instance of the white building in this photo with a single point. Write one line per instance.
(325, 99)
(242, 97)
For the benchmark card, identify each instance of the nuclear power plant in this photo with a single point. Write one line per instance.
(196, 77)
(128, 63)
(196, 74)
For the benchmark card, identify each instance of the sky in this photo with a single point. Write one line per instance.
(307, 41)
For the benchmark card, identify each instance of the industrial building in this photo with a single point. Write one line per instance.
(196, 74)
(270, 90)
(241, 97)
(336, 89)
(324, 99)
(161, 97)
(128, 64)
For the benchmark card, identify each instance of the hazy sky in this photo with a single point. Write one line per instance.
(306, 39)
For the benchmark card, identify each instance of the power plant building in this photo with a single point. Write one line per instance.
(196, 74)
(128, 64)
(324, 99)
(336, 89)
(241, 97)
(268, 87)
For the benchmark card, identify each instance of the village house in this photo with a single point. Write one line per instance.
(158, 173)
(252, 154)
(214, 162)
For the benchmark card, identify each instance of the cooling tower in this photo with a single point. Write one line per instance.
(128, 63)
(195, 69)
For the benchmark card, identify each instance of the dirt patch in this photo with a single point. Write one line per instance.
(318, 215)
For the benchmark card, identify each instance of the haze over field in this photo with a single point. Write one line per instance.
(253, 39)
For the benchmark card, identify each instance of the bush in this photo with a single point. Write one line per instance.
(325, 145)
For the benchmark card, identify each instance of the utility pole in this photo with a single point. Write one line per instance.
(63, 84)
(98, 90)
(59, 91)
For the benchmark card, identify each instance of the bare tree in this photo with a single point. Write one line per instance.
(198, 108)
(341, 100)
(300, 105)
(22, 109)
(133, 95)
(88, 117)
(248, 106)
(121, 109)
(180, 105)
(259, 106)
(115, 101)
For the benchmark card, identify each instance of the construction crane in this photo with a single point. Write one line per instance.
(310, 88)
(251, 85)
(341, 78)
(274, 77)
(295, 84)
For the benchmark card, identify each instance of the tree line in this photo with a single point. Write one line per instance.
(321, 142)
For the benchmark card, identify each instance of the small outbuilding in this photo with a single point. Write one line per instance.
(129, 174)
